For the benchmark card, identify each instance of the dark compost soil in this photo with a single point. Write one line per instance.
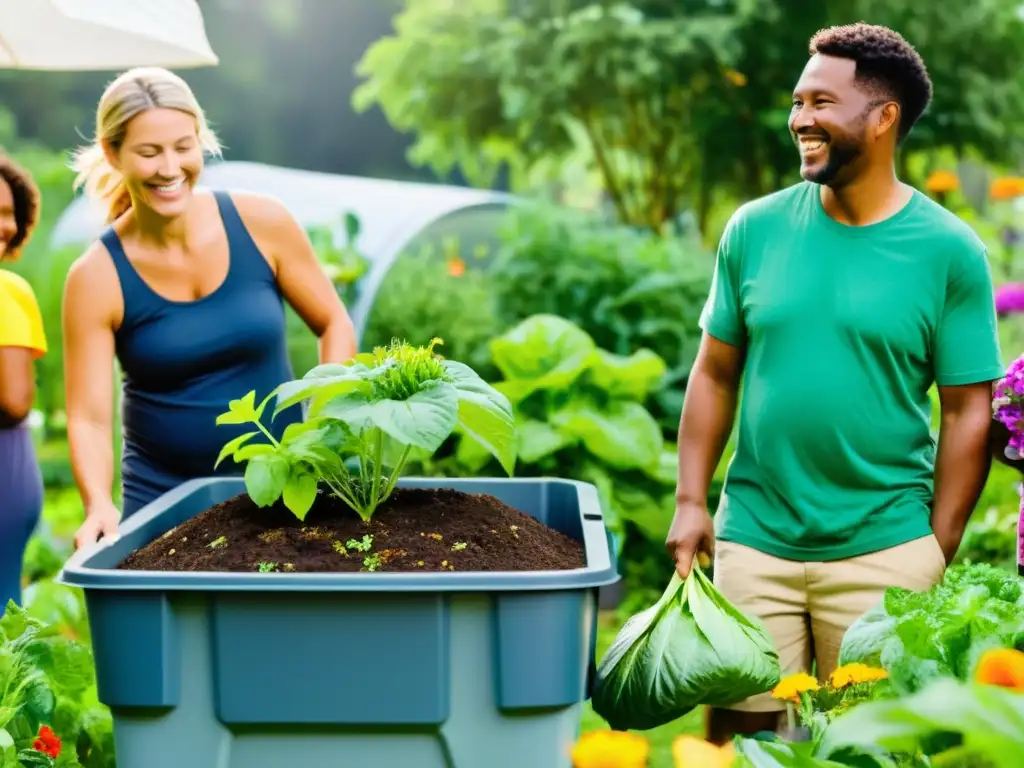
(414, 530)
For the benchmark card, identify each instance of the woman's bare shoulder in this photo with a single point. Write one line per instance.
(92, 284)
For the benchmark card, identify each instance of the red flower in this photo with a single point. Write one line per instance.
(47, 742)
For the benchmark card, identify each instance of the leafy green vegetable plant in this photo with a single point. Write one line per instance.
(363, 420)
(580, 413)
(988, 720)
(921, 636)
(49, 680)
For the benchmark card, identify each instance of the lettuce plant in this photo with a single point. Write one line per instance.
(363, 420)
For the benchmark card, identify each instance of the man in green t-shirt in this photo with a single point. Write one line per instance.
(839, 301)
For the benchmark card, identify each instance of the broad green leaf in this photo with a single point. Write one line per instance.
(538, 439)
(321, 384)
(484, 414)
(867, 636)
(542, 352)
(265, 478)
(652, 516)
(300, 493)
(753, 753)
(624, 434)
(989, 718)
(38, 703)
(424, 420)
(633, 377)
(666, 469)
(232, 446)
(247, 452)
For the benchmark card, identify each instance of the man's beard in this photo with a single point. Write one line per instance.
(840, 155)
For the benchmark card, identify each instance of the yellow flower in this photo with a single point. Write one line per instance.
(1003, 667)
(736, 78)
(691, 752)
(852, 674)
(942, 181)
(790, 688)
(610, 749)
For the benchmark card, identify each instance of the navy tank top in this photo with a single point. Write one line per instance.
(184, 361)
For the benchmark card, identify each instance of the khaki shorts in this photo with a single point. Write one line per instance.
(807, 607)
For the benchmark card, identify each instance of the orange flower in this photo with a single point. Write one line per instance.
(1007, 188)
(942, 181)
(1003, 667)
(790, 688)
(610, 749)
(691, 752)
(853, 674)
(456, 267)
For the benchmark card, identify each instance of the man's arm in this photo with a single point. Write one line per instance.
(709, 406)
(967, 361)
(963, 461)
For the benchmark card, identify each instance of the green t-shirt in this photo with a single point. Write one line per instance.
(846, 329)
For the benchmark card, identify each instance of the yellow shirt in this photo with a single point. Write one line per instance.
(21, 323)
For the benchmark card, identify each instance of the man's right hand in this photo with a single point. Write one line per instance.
(691, 535)
(101, 519)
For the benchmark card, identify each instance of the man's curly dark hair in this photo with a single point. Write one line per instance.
(26, 204)
(885, 62)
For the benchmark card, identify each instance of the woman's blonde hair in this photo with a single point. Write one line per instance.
(128, 96)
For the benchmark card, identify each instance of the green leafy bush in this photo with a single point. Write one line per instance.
(628, 289)
(49, 680)
(428, 293)
(580, 413)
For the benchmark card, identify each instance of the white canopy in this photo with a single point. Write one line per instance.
(79, 35)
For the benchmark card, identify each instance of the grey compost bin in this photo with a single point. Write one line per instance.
(347, 670)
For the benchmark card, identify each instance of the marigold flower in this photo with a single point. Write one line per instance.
(790, 688)
(941, 181)
(691, 752)
(610, 749)
(1006, 188)
(47, 742)
(1003, 667)
(456, 267)
(853, 674)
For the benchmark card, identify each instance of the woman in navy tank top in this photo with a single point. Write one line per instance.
(186, 289)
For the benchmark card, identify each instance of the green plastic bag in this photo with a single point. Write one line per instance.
(691, 648)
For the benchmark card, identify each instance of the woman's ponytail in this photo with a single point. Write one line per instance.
(100, 180)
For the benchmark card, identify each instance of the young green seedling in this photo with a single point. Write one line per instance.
(363, 421)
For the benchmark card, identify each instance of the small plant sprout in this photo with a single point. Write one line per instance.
(360, 546)
(458, 546)
(265, 567)
(363, 421)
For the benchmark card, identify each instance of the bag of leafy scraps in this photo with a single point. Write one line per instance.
(691, 648)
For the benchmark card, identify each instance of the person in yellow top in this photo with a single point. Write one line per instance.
(22, 342)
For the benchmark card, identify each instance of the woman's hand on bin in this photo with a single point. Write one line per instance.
(692, 534)
(101, 519)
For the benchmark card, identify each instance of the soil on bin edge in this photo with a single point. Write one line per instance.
(416, 529)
